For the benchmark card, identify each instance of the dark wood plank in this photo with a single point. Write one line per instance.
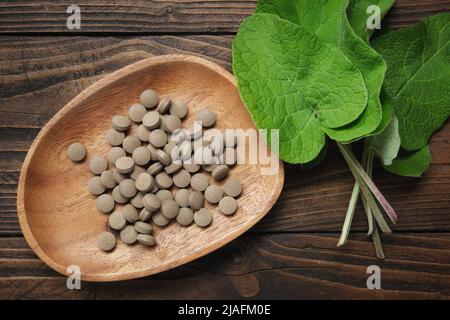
(277, 266)
(40, 74)
(162, 16)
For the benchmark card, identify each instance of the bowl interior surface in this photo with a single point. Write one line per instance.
(58, 215)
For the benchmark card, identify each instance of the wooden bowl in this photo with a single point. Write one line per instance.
(58, 216)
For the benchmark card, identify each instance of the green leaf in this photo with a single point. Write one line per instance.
(386, 145)
(291, 80)
(357, 15)
(328, 20)
(411, 163)
(418, 77)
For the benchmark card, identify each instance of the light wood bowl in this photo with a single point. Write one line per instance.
(58, 216)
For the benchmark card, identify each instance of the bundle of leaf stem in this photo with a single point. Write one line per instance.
(306, 68)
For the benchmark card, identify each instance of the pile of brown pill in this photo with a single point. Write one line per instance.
(160, 174)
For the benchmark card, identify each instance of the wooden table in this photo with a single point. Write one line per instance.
(292, 253)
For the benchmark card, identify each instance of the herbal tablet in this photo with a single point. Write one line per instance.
(121, 123)
(124, 164)
(145, 214)
(137, 112)
(220, 172)
(136, 172)
(95, 186)
(105, 203)
(115, 153)
(191, 167)
(76, 152)
(164, 195)
(163, 180)
(171, 123)
(118, 177)
(151, 202)
(213, 193)
(130, 213)
(114, 137)
(98, 164)
(158, 138)
(203, 217)
(155, 168)
(107, 179)
(182, 197)
(228, 205)
(146, 240)
(141, 156)
(178, 108)
(117, 221)
(143, 133)
(130, 143)
(159, 220)
(149, 98)
(152, 150)
(143, 228)
(163, 157)
(145, 182)
(199, 182)
(106, 241)
(118, 197)
(127, 188)
(232, 187)
(168, 148)
(164, 105)
(173, 167)
(185, 217)
(137, 200)
(182, 179)
(206, 117)
(128, 235)
(151, 120)
(196, 200)
(169, 209)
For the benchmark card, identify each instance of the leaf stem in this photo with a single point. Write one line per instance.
(364, 179)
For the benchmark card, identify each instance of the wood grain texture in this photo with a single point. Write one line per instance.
(163, 16)
(41, 74)
(276, 266)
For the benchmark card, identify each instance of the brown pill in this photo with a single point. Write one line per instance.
(159, 220)
(163, 157)
(95, 186)
(106, 241)
(163, 180)
(98, 164)
(178, 108)
(130, 143)
(118, 177)
(232, 187)
(143, 228)
(143, 133)
(137, 112)
(196, 200)
(185, 217)
(137, 170)
(146, 240)
(191, 167)
(137, 200)
(130, 213)
(158, 138)
(164, 195)
(203, 217)
(213, 193)
(164, 105)
(105, 203)
(149, 98)
(169, 209)
(117, 221)
(155, 168)
(127, 188)
(220, 172)
(145, 182)
(76, 151)
(115, 153)
(124, 164)
(182, 179)
(128, 235)
(199, 182)
(182, 197)
(228, 205)
(151, 120)
(206, 117)
(118, 197)
(114, 137)
(107, 179)
(121, 123)
(171, 123)
(173, 167)
(141, 156)
(151, 202)
(145, 214)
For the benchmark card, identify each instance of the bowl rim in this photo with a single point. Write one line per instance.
(80, 99)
